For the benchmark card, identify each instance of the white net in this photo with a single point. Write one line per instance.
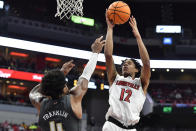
(67, 8)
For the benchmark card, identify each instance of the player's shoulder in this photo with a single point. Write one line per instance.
(44, 100)
(119, 76)
(137, 79)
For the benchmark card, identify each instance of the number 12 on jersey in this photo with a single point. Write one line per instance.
(53, 126)
(127, 96)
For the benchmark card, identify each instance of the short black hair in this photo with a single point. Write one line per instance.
(137, 66)
(52, 83)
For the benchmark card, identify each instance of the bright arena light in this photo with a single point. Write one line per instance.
(82, 54)
(1, 4)
(168, 29)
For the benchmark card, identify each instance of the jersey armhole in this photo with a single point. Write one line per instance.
(42, 99)
(42, 103)
(117, 76)
(140, 82)
(68, 103)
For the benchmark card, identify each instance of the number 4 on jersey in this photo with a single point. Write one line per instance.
(123, 92)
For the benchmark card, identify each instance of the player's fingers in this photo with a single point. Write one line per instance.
(72, 64)
(96, 40)
(103, 42)
(106, 14)
(70, 61)
(108, 20)
(130, 23)
(72, 67)
(132, 19)
(100, 38)
(135, 21)
(111, 21)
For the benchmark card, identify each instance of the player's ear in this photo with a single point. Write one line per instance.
(136, 70)
(65, 90)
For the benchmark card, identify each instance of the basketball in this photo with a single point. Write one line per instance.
(119, 12)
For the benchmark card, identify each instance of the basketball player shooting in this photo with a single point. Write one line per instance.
(58, 106)
(127, 93)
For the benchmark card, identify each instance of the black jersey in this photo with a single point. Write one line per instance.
(57, 115)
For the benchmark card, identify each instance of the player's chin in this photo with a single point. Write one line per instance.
(125, 73)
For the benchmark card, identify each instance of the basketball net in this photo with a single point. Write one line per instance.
(67, 8)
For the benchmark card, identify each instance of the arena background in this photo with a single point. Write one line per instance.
(171, 102)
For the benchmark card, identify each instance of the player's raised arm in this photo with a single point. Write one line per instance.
(145, 72)
(82, 85)
(108, 51)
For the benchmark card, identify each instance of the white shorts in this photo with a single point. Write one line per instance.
(109, 126)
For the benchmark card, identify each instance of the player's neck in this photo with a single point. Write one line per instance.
(131, 75)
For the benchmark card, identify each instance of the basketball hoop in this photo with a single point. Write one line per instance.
(67, 8)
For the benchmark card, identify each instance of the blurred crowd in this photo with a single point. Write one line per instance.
(27, 64)
(7, 126)
(35, 64)
(15, 100)
(180, 95)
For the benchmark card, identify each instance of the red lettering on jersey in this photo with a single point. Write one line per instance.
(124, 83)
(128, 92)
(122, 94)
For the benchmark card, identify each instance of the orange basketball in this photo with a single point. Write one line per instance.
(119, 12)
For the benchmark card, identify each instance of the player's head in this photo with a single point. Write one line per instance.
(53, 84)
(131, 67)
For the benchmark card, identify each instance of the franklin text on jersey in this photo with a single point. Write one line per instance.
(55, 113)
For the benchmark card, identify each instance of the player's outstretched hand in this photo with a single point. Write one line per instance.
(66, 68)
(98, 44)
(109, 22)
(133, 25)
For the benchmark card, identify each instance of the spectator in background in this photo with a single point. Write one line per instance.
(21, 128)
(10, 127)
(5, 125)
(178, 95)
(188, 91)
(24, 125)
(15, 127)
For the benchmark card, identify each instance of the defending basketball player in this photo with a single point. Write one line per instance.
(127, 93)
(58, 106)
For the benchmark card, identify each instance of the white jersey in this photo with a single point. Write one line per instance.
(126, 99)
